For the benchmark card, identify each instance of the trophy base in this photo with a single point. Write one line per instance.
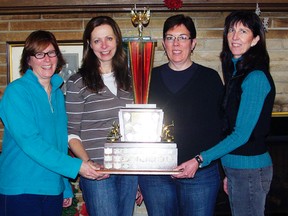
(140, 158)
(139, 172)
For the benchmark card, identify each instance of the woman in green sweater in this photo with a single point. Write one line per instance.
(34, 163)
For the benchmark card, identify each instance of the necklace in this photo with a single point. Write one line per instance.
(49, 88)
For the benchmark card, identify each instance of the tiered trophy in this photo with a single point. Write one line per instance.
(140, 144)
(141, 56)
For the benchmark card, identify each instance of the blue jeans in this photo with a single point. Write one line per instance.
(248, 189)
(165, 196)
(31, 204)
(113, 196)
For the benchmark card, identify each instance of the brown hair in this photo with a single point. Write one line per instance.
(37, 41)
(90, 68)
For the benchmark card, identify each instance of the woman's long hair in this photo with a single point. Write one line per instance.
(257, 56)
(90, 68)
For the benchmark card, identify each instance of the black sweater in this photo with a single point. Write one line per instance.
(195, 108)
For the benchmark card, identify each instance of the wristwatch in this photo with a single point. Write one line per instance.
(199, 160)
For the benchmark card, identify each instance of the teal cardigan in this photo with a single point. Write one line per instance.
(255, 88)
(34, 156)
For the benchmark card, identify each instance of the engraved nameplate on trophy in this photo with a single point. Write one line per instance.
(141, 149)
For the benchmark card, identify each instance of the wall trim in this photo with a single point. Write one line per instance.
(9, 7)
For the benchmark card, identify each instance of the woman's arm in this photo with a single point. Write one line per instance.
(78, 149)
(255, 89)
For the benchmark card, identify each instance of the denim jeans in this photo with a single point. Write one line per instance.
(248, 189)
(166, 196)
(113, 196)
(31, 204)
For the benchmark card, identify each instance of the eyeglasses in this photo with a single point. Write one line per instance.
(41, 55)
(180, 38)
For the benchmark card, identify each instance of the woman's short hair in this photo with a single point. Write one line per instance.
(37, 41)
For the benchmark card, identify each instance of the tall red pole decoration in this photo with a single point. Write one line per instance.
(141, 57)
(141, 54)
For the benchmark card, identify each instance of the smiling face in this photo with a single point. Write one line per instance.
(103, 43)
(44, 68)
(178, 51)
(240, 39)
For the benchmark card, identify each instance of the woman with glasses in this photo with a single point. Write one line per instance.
(93, 99)
(190, 95)
(34, 163)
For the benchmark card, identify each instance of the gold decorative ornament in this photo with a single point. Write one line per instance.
(114, 134)
(140, 19)
(167, 133)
